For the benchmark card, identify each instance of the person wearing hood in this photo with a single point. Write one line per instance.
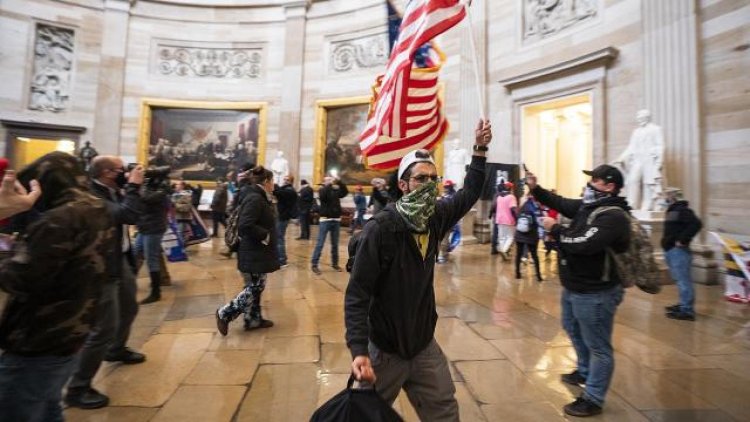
(389, 305)
(257, 254)
(680, 226)
(54, 280)
(592, 289)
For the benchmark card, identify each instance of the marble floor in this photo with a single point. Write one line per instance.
(502, 337)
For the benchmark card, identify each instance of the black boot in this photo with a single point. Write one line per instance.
(155, 295)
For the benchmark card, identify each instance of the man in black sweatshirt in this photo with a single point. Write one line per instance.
(330, 221)
(390, 300)
(680, 226)
(592, 289)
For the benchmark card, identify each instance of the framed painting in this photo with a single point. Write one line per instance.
(339, 123)
(201, 141)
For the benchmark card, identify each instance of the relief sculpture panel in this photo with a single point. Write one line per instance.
(53, 65)
(209, 62)
(358, 53)
(545, 18)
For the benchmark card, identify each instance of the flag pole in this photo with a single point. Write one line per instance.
(480, 96)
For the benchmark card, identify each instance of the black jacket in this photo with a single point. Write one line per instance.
(154, 217)
(680, 224)
(287, 205)
(394, 307)
(219, 201)
(378, 199)
(306, 199)
(257, 229)
(330, 200)
(125, 209)
(583, 246)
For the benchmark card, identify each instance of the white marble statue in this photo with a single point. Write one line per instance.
(280, 168)
(641, 163)
(455, 167)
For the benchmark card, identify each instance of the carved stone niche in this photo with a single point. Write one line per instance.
(207, 59)
(53, 65)
(545, 18)
(349, 52)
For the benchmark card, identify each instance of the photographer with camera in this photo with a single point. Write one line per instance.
(117, 306)
(152, 225)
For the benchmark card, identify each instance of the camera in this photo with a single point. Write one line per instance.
(155, 177)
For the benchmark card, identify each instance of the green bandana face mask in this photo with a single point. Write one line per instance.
(418, 206)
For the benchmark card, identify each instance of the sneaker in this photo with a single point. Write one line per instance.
(316, 270)
(284, 265)
(85, 398)
(582, 408)
(151, 299)
(258, 323)
(442, 260)
(221, 324)
(126, 356)
(673, 308)
(573, 378)
(337, 268)
(683, 316)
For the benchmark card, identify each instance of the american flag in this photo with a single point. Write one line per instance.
(406, 112)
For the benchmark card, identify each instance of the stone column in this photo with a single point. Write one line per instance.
(670, 69)
(110, 87)
(470, 103)
(291, 96)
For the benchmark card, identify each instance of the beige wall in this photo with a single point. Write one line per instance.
(17, 26)
(725, 80)
(723, 62)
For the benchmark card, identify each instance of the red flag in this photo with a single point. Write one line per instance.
(406, 113)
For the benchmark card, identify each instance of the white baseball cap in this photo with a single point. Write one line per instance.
(416, 156)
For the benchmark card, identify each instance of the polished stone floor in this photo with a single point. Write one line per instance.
(502, 337)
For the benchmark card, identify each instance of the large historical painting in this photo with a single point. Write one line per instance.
(202, 141)
(340, 122)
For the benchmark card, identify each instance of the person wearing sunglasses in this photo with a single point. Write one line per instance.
(390, 300)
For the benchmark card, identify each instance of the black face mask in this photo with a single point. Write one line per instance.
(121, 180)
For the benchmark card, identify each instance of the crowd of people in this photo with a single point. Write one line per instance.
(74, 238)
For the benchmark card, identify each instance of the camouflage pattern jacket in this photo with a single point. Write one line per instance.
(54, 278)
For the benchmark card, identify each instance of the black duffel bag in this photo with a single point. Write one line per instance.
(356, 404)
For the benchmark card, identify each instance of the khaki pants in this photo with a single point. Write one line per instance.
(425, 378)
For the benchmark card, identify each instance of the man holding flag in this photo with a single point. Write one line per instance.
(390, 300)
(389, 305)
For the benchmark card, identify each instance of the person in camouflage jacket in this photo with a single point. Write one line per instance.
(54, 280)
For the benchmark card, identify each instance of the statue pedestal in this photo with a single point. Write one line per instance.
(705, 270)
(467, 228)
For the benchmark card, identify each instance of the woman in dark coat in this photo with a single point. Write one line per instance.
(257, 255)
(527, 234)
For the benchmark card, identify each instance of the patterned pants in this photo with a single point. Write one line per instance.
(247, 301)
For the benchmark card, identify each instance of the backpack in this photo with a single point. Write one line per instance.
(385, 219)
(231, 233)
(523, 223)
(635, 266)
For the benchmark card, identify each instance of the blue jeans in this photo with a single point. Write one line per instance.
(679, 261)
(359, 220)
(281, 226)
(150, 246)
(588, 318)
(31, 387)
(332, 226)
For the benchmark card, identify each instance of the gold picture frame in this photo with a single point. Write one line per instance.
(230, 141)
(322, 151)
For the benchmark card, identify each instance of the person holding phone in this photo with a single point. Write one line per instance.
(14, 198)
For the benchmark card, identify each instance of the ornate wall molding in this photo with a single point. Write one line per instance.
(207, 60)
(363, 52)
(543, 19)
(54, 54)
